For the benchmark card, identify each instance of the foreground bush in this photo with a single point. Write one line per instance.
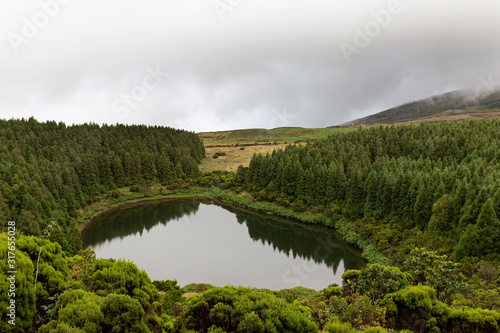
(123, 277)
(82, 311)
(416, 308)
(233, 309)
(375, 281)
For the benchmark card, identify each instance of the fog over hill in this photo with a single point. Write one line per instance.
(224, 64)
(454, 105)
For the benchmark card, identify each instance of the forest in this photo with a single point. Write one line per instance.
(49, 171)
(426, 197)
(436, 186)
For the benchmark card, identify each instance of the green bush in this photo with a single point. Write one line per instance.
(428, 268)
(135, 188)
(338, 327)
(351, 274)
(417, 308)
(201, 287)
(374, 281)
(57, 327)
(197, 287)
(25, 295)
(116, 193)
(76, 309)
(122, 314)
(244, 310)
(123, 277)
(172, 294)
(358, 310)
(332, 290)
(84, 313)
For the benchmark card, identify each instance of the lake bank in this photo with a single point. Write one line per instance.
(201, 240)
(369, 251)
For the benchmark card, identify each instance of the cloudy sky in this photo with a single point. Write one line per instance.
(208, 65)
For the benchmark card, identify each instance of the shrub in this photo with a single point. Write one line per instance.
(197, 287)
(374, 281)
(358, 310)
(84, 313)
(332, 290)
(116, 194)
(244, 310)
(173, 294)
(123, 277)
(218, 154)
(418, 309)
(351, 274)
(338, 327)
(201, 287)
(122, 314)
(428, 268)
(135, 188)
(25, 296)
(57, 327)
(75, 310)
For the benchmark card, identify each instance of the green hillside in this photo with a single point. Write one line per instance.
(259, 135)
(455, 105)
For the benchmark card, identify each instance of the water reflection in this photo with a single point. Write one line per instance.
(199, 241)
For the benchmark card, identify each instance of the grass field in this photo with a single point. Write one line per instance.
(283, 134)
(234, 157)
(240, 145)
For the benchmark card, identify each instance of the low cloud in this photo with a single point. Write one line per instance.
(262, 58)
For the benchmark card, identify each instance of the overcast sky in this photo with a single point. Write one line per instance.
(206, 65)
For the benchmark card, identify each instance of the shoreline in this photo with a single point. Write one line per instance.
(369, 252)
(109, 207)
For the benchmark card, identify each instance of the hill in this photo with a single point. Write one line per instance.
(454, 105)
(238, 146)
(260, 135)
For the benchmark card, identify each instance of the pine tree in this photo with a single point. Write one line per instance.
(442, 215)
(355, 196)
(420, 210)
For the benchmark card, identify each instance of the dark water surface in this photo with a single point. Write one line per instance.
(199, 241)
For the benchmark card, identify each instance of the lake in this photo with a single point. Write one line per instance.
(193, 240)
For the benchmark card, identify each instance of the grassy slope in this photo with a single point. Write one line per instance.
(456, 105)
(256, 135)
(255, 141)
(452, 106)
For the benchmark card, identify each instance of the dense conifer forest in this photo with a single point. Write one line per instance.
(426, 196)
(434, 185)
(48, 171)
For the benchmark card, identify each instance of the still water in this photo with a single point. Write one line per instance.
(200, 241)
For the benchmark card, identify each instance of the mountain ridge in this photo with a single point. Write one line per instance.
(450, 106)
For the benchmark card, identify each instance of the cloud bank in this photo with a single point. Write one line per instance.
(230, 64)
